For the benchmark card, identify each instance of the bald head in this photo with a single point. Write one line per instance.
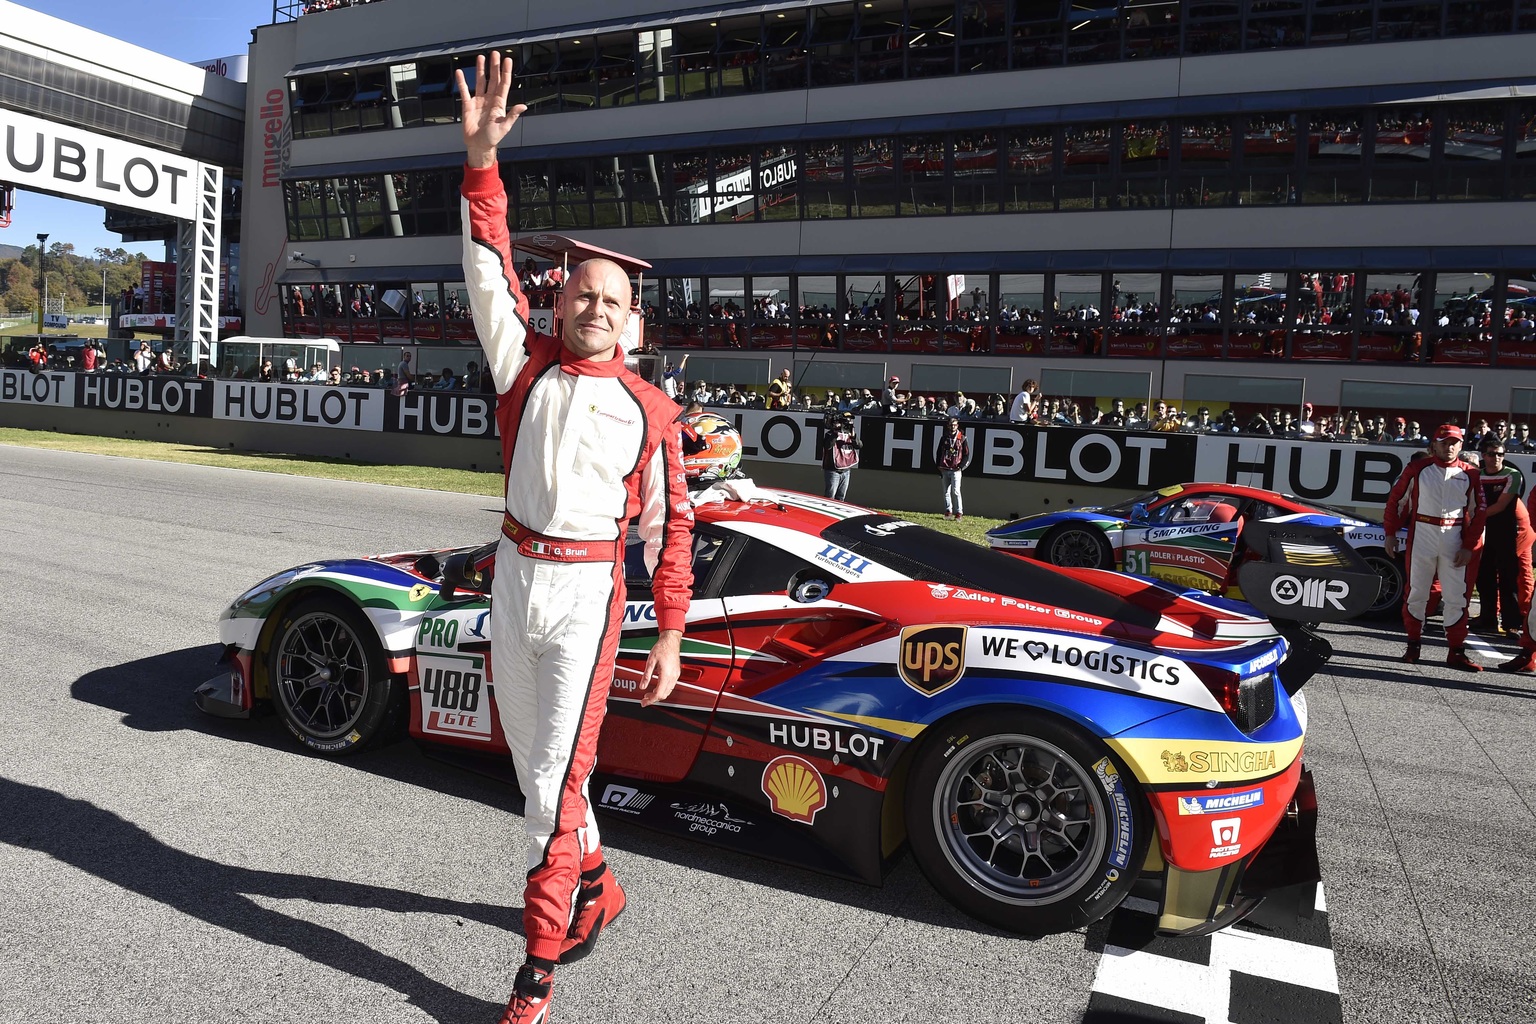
(596, 302)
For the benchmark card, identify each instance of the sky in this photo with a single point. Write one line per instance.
(189, 30)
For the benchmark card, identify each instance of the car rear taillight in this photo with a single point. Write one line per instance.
(1248, 702)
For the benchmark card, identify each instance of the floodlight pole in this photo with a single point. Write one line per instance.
(42, 242)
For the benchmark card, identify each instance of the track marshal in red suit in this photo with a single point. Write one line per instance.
(588, 447)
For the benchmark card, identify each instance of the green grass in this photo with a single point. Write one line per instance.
(459, 481)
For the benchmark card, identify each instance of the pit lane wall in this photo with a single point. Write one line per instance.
(1014, 470)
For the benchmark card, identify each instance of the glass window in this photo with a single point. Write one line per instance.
(1471, 152)
(1194, 320)
(1517, 337)
(572, 193)
(726, 312)
(1205, 162)
(614, 69)
(732, 185)
(654, 49)
(1258, 315)
(1478, 17)
(829, 29)
(923, 188)
(1143, 155)
(1093, 34)
(1523, 169)
(741, 41)
(878, 40)
(691, 61)
(1400, 158)
(975, 187)
(1337, 22)
(575, 75)
(1336, 157)
(1151, 29)
(403, 89)
(306, 98)
(537, 82)
(1028, 171)
(647, 205)
(816, 311)
(1133, 326)
(532, 209)
(827, 189)
(778, 183)
(693, 201)
(1276, 24)
(1085, 154)
(608, 207)
(1079, 304)
(930, 38)
(983, 36)
(373, 98)
(436, 90)
(1466, 307)
(1037, 34)
(1267, 174)
(874, 179)
(1214, 26)
(1407, 19)
(340, 88)
(1021, 314)
(304, 211)
(770, 316)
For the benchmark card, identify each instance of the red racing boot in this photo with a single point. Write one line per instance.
(1457, 658)
(1411, 655)
(1521, 662)
(599, 903)
(531, 996)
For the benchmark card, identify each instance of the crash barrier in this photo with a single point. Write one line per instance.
(1062, 465)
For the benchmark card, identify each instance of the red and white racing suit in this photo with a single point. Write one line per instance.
(1442, 506)
(586, 446)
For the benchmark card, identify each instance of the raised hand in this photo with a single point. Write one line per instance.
(486, 117)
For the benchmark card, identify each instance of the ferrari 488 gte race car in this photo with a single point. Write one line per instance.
(1192, 535)
(1043, 739)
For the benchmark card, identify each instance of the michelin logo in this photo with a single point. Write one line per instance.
(1221, 802)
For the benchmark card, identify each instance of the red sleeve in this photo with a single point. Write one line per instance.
(499, 307)
(1477, 512)
(1394, 519)
(665, 517)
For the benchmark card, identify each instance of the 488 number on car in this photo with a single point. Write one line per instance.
(452, 689)
(454, 696)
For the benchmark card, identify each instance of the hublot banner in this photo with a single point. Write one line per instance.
(1338, 474)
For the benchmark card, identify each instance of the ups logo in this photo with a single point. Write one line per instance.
(931, 658)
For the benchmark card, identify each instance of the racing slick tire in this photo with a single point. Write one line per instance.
(1078, 547)
(1390, 597)
(1023, 822)
(328, 678)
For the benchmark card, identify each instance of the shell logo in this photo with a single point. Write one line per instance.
(795, 789)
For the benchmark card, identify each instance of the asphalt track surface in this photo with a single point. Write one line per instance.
(158, 865)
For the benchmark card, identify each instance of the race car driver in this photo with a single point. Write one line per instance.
(1440, 500)
(587, 446)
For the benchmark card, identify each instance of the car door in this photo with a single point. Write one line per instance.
(660, 742)
(1189, 540)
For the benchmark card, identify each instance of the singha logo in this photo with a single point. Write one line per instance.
(1174, 762)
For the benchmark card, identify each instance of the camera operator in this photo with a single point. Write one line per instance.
(838, 448)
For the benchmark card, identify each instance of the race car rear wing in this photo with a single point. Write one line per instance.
(1306, 573)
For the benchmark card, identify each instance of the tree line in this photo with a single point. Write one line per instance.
(73, 278)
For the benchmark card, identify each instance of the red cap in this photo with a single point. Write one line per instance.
(895, 380)
(1447, 431)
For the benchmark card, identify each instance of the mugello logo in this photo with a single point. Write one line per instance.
(931, 658)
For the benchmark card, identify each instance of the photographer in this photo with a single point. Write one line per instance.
(838, 448)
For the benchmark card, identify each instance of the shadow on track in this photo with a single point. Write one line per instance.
(100, 843)
(154, 694)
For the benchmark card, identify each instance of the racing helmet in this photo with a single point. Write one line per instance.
(711, 447)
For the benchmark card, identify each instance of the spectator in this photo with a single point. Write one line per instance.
(88, 357)
(1116, 415)
(700, 393)
(780, 391)
(672, 377)
(1200, 422)
(1306, 426)
(447, 382)
(265, 374)
(838, 448)
(1137, 420)
(317, 374)
(954, 458)
(1521, 439)
(921, 409)
(404, 378)
(143, 359)
(893, 402)
(1023, 408)
(957, 407)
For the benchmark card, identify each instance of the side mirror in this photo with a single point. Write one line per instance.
(1139, 513)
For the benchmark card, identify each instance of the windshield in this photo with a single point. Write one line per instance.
(1122, 509)
(935, 557)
